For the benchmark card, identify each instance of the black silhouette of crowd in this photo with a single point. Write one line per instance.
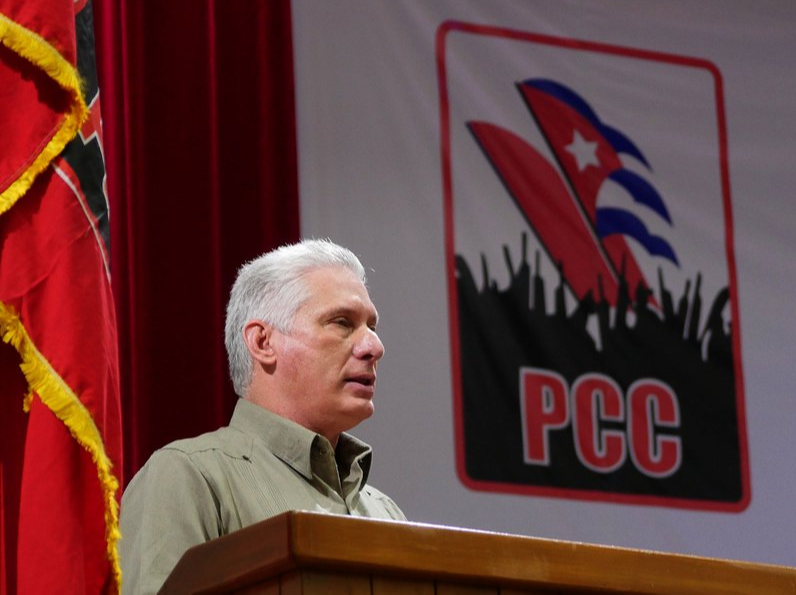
(641, 336)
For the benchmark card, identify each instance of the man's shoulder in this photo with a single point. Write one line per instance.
(196, 459)
(380, 505)
(225, 440)
(375, 493)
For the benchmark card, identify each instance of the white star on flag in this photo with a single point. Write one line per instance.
(584, 152)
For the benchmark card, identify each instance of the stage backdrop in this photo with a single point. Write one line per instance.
(578, 221)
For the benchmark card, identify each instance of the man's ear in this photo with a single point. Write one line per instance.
(257, 335)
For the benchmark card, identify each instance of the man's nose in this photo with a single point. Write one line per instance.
(369, 346)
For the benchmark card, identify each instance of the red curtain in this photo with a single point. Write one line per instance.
(200, 152)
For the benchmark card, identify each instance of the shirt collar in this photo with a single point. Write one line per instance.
(292, 443)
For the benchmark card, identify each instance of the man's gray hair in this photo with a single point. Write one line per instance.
(270, 288)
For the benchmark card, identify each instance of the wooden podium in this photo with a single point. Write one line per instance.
(302, 553)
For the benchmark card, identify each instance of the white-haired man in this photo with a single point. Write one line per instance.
(302, 347)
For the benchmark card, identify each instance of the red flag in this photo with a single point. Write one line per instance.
(59, 464)
(548, 207)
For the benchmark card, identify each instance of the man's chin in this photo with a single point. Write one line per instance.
(362, 410)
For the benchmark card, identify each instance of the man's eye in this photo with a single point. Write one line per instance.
(344, 322)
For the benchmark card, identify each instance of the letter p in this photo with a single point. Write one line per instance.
(544, 407)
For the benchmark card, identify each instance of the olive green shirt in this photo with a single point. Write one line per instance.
(261, 465)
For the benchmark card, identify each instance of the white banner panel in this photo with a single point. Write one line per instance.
(579, 225)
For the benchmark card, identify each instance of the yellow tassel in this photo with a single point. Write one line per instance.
(64, 403)
(39, 52)
(27, 401)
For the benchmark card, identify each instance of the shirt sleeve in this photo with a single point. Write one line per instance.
(167, 508)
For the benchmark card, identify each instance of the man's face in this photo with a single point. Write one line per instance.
(327, 362)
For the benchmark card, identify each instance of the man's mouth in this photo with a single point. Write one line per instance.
(363, 379)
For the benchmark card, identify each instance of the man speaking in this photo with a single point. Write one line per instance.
(302, 347)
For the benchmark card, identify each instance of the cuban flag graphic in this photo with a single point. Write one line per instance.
(594, 251)
(594, 330)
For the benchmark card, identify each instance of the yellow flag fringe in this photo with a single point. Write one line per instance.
(64, 403)
(36, 50)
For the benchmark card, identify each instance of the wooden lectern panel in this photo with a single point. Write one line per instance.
(302, 553)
